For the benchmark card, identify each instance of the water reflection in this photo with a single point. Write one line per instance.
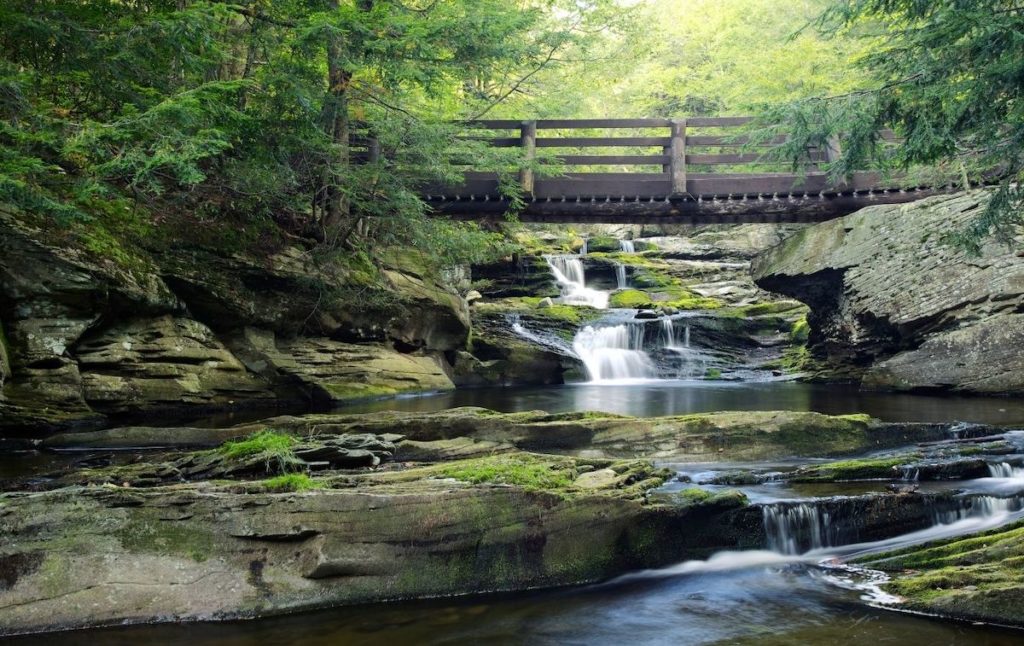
(660, 397)
(773, 604)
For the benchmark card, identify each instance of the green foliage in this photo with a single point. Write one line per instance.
(267, 441)
(276, 449)
(291, 482)
(945, 76)
(227, 112)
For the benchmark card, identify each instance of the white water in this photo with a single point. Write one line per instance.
(613, 353)
(620, 276)
(568, 273)
(808, 528)
(1006, 470)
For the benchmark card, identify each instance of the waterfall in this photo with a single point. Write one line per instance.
(1006, 470)
(797, 527)
(804, 527)
(548, 341)
(568, 273)
(627, 246)
(620, 276)
(668, 332)
(613, 352)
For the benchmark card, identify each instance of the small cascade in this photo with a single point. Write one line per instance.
(794, 528)
(909, 473)
(614, 352)
(627, 246)
(549, 341)
(668, 333)
(620, 276)
(978, 506)
(568, 273)
(818, 526)
(1006, 470)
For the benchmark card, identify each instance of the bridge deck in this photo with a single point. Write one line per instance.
(701, 173)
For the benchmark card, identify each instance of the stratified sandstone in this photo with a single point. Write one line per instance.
(894, 304)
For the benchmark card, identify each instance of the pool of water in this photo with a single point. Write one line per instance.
(772, 604)
(664, 397)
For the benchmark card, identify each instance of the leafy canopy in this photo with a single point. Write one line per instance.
(946, 76)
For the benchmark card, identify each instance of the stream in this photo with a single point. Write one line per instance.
(796, 589)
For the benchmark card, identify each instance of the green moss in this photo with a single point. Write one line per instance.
(763, 309)
(863, 469)
(147, 533)
(712, 373)
(975, 577)
(629, 299)
(525, 470)
(292, 482)
(800, 332)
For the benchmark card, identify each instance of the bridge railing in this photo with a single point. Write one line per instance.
(655, 158)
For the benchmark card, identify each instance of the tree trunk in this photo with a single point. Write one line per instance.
(336, 208)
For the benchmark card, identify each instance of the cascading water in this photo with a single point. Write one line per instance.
(614, 353)
(620, 276)
(794, 528)
(569, 274)
(811, 527)
(613, 349)
(1006, 470)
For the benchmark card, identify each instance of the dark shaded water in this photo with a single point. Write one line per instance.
(661, 397)
(763, 605)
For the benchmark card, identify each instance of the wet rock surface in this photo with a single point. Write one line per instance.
(894, 305)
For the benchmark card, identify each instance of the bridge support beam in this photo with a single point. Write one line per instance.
(528, 142)
(678, 156)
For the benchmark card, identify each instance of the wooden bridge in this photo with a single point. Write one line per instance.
(680, 170)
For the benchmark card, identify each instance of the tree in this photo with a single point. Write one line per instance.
(948, 77)
(258, 111)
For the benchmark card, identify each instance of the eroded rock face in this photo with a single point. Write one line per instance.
(187, 329)
(332, 371)
(164, 361)
(107, 555)
(895, 305)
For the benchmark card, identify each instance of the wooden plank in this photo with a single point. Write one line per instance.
(721, 122)
(723, 140)
(594, 142)
(569, 124)
(746, 158)
(612, 160)
(497, 142)
(612, 176)
(677, 164)
(573, 188)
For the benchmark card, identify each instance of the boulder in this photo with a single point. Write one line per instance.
(895, 305)
(163, 362)
(332, 371)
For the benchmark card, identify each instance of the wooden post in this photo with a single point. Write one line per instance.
(678, 164)
(832, 150)
(528, 142)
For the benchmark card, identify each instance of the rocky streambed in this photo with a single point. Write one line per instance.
(296, 513)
